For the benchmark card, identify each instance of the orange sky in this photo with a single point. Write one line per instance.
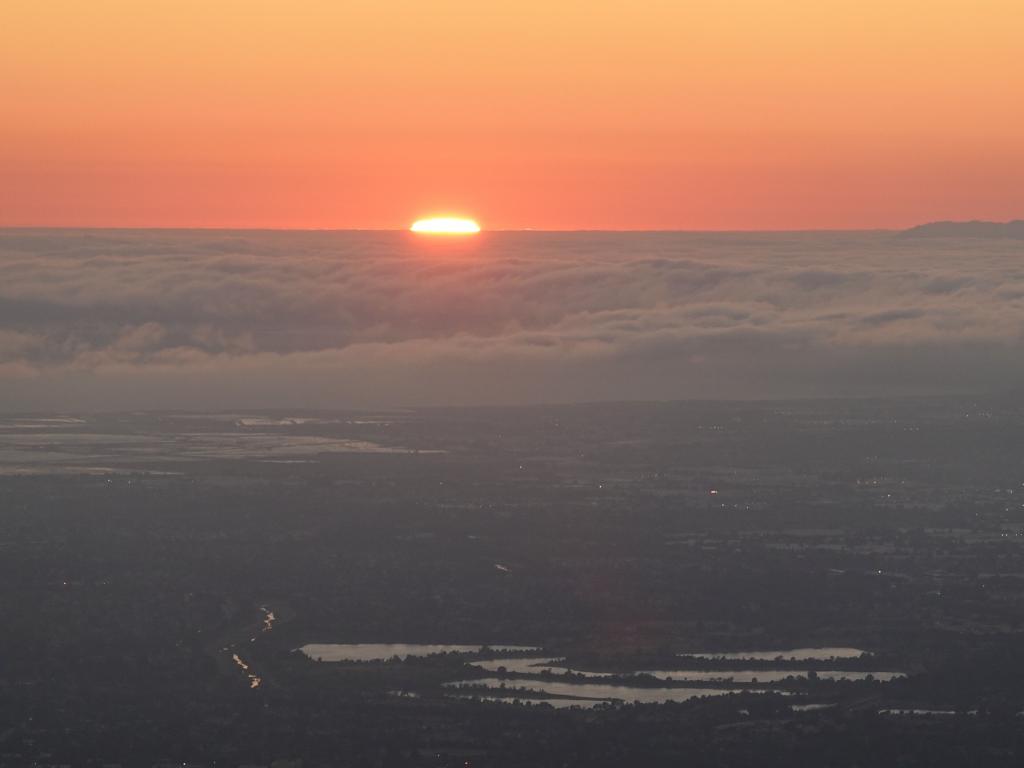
(732, 114)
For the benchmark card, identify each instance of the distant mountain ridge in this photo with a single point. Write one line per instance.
(990, 229)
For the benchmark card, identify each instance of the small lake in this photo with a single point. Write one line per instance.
(789, 654)
(764, 675)
(533, 666)
(385, 651)
(595, 692)
(539, 666)
(556, 703)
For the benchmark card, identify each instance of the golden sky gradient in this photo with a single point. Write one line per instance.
(740, 114)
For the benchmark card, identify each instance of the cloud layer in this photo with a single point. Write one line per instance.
(160, 319)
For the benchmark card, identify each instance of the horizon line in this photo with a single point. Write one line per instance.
(503, 230)
(483, 230)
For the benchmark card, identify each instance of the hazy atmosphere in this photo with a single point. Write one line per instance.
(511, 384)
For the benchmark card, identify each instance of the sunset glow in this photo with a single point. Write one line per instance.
(662, 115)
(445, 225)
(424, 325)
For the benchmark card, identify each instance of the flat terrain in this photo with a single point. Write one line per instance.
(159, 573)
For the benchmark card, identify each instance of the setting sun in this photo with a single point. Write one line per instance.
(446, 225)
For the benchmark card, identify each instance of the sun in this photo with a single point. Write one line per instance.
(445, 225)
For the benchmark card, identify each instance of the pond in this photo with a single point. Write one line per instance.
(385, 651)
(789, 654)
(596, 692)
(556, 703)
(552, 666)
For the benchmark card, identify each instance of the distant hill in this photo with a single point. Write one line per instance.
(1010, 229)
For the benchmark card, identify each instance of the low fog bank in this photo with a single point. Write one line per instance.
(201, 319)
